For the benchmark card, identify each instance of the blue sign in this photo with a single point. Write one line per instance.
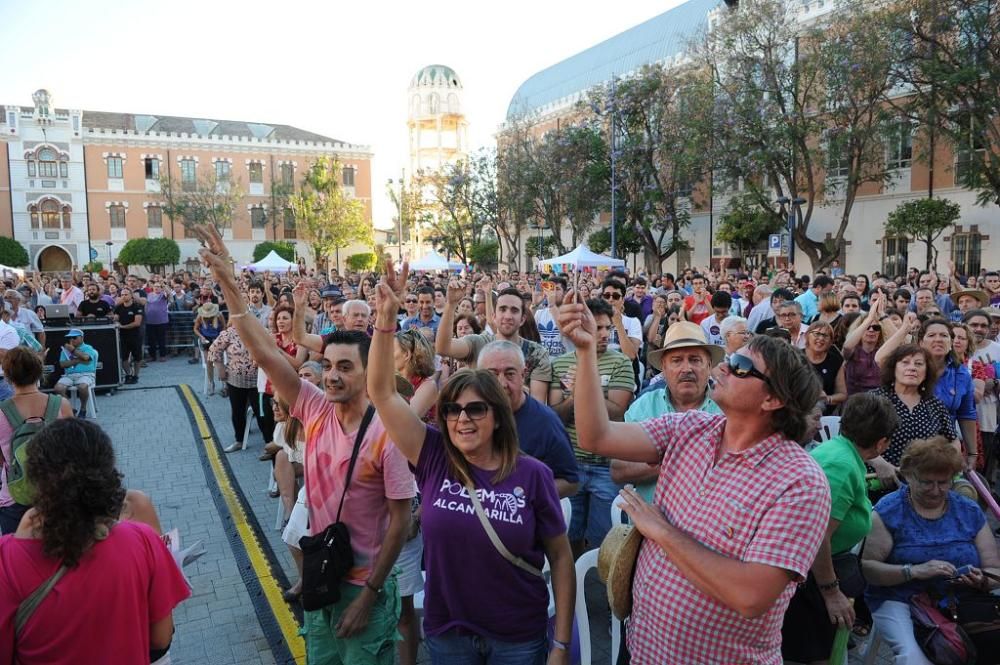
(93, 254)
(774, 241)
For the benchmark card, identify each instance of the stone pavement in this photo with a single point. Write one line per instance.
(157, 444)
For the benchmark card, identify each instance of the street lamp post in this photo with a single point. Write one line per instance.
(109, 243)
(793, 208)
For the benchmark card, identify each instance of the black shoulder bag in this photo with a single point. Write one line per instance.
(327, 557)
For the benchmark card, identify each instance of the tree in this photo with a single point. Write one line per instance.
(285, 250)
(549, 248)
(153, 253)
(953, 76)
(207, 199)
(483, 254)
(586, 173)
(13, 253)
(746, 226)
(452, 218)
(362, 262)
(660, 123)
(626, 239)
(325, 215)
(408, 202)
(924, 220)
(515, 191)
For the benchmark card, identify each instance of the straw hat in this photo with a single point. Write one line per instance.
(208, 311)
(981, 296)
(993, 311)
(685, 335)
(616, 566)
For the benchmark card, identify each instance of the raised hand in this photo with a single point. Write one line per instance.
(386, 303)
(577, 323)
(300, 294)
(456, 291)
(396, 283)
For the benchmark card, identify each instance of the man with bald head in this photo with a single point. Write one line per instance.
(540, 432)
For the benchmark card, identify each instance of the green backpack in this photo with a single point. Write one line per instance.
(18, 485)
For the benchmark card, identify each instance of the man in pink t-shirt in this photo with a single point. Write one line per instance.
(359, 629)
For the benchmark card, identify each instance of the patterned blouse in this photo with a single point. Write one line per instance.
(930, 417)
(241, 371)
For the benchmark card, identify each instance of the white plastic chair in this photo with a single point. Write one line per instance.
(587, 561)
(829, 427)
(567, 511)
(246, 430)
(618, 516)
(74, 399)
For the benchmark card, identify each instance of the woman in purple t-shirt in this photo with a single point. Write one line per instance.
(478, 604)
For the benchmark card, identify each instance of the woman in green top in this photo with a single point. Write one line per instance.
(821, 605)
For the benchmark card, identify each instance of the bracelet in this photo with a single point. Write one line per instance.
(830, 586)
(391, 331)
(376, 590)
(907, 572)
(240, 315)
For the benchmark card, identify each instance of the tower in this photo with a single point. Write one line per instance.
(437, 126)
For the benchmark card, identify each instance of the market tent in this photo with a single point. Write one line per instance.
(581, 257)
(273, 263)
(431, 261)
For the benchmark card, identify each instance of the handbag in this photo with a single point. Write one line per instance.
(979, 613)
(847, 567)
(940, 637)
(327, 557)
(494, 538)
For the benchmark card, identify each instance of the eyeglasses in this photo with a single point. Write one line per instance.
(611, 295)
(941, 484)
(474, 410)
(875, 327)
(742, 333)
(820, 335)
(788, 315)
(741, 367)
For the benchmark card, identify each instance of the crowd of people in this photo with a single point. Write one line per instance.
(477, 405)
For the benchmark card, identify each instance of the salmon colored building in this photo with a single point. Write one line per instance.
(76, 185)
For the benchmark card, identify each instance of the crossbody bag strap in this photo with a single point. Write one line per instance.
(369, 414)
(494, 538)
(31, 603)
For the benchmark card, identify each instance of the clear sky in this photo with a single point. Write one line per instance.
(336, 68)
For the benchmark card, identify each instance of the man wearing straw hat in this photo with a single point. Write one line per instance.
(739, 510)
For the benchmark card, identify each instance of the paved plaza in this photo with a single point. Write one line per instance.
(168, 437)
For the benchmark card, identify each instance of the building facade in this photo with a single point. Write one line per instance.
(551, 96)
(76, 185)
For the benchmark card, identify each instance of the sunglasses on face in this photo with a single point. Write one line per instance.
(875, 327)
(411, 301)
(611, 295)
(741, 367)
(474, 410)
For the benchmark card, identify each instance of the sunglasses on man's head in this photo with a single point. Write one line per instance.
(611, 295)
(474, 410)
(741, 367)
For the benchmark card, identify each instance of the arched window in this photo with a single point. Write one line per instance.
(51, 217)
(48, 165)
(434, 103)
(453, 103)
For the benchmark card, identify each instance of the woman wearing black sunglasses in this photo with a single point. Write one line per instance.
(469, 470)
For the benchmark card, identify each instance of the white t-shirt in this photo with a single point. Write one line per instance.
(987, 407)
(713, 331)
(633, 328)
(8, 338)
(552, 338)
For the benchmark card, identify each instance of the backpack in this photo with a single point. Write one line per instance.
(18, 485)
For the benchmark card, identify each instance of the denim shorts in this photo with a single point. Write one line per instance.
(376, 645)
(460, 648)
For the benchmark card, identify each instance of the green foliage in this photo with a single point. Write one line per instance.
(484, 254)
(206, 200)
(325, 215)
(746, 225)
(13, 253)
(627, 241)
(550, 247)
(924, 220)
(93, 266)
(362, 262)
(150, 252)
(284, 249)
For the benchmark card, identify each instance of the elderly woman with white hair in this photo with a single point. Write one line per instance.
(735, 334)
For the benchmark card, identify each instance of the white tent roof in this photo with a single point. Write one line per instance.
(581, 257)
(272, 262)
(431, 261)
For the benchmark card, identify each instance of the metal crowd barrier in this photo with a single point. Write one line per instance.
(180, 330)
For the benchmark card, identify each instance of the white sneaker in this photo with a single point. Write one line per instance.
(232, 448)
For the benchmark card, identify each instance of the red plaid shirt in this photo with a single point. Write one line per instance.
(769, 504)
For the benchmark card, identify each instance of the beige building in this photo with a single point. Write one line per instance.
(76, 185)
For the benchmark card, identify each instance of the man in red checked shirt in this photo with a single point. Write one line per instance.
(698, 306)
(739, 508)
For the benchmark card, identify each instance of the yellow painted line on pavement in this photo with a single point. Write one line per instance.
(285, 619)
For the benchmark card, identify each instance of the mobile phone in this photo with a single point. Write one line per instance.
(961, 572)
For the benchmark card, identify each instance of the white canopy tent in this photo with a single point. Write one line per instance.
(273, 263)
(431, 261)
(581, 257)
